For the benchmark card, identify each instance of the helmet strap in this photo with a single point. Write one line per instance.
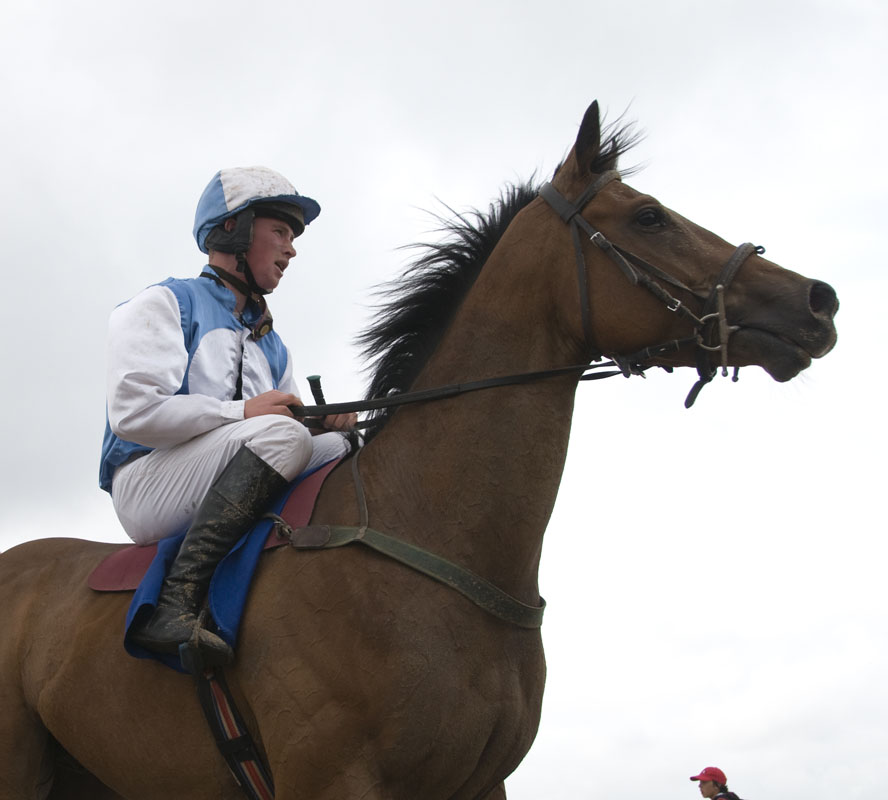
(244, 267)
(264, 320)
(237, 282)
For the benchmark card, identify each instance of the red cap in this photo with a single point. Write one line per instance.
(711, 774)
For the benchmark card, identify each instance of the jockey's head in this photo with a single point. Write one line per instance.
(234, 198)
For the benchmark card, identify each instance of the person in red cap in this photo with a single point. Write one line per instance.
(714, 784)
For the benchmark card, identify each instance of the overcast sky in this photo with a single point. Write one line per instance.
(714, 576)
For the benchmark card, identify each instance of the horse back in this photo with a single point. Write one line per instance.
(49, 567)
(43, 592)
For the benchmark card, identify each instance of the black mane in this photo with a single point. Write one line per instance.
(419, 306)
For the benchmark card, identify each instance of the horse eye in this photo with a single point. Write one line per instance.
(649, 217)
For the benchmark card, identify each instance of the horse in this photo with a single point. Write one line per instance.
(357, 676)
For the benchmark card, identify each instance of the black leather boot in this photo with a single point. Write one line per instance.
(237, 498)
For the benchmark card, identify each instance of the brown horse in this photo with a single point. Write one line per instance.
(359, 677)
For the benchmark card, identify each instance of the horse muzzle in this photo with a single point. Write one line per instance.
(783, 333)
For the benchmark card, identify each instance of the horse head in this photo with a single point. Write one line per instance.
(657, 289)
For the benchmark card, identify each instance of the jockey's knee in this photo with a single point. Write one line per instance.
(282, 443)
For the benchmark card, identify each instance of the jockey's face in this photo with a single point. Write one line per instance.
(270, 251)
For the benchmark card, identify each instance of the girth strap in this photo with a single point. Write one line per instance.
(232, 735)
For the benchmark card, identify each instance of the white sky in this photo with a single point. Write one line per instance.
(714, 576)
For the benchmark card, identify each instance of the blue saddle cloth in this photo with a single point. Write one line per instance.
(228, 589)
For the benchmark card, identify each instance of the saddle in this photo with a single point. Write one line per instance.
(141, 569)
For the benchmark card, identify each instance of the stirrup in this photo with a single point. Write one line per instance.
(196, 659)
(192, 658)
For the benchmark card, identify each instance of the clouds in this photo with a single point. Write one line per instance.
(714, 575)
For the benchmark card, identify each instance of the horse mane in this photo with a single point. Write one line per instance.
(418, 307)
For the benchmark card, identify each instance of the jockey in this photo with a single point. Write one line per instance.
(199, 431)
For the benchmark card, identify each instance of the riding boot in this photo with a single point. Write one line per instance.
(233, 503)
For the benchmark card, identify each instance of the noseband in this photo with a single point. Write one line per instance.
(712, 320)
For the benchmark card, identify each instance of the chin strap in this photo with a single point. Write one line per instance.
(235, 280)
(244, 267)
(264, 321)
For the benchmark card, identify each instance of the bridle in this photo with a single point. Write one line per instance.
(712, 319)
(712, 322)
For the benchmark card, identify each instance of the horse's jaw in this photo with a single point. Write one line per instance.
(782, 357)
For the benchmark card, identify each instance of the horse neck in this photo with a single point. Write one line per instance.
(474, 478)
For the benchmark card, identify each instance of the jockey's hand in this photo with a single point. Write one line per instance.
(340, 422)
(271, 402)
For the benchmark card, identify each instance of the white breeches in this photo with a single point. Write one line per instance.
(156, 495)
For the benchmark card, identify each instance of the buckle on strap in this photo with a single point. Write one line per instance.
(600, 240)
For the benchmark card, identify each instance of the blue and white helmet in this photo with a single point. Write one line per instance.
(238, 188)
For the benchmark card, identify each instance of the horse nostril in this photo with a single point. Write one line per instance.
(822, 299)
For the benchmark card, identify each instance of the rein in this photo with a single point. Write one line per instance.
(452, 390)
(712, 320)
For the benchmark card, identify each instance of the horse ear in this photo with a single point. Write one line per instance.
(588, 144)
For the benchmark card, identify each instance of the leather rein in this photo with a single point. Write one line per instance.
(712, 319)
